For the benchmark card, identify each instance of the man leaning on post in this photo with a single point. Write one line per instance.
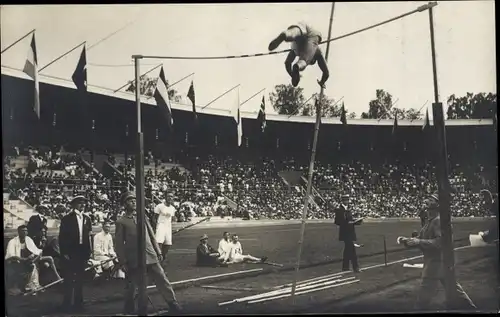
(127, 251)
(429, 241)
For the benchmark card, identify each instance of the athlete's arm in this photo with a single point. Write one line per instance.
(324, 68)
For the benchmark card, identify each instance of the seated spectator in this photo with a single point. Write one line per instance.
(237, 256)
(225, 245)
(21, 258)
(206, 255)
(104, 250)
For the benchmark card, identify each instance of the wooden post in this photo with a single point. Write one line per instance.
(385, 252)
(443, 181)
(139, 182)
(311, 167)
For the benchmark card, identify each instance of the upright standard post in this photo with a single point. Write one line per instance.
(311, 167)
(139, 188)
(443, 181)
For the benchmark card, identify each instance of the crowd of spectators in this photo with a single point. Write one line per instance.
(249, 188)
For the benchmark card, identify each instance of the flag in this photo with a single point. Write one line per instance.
(80, 74)
(31, 69)
(343, 118)
(237, 118)
(162, 100)
(427, 123)
(191, 97)
(395, 126)
(261, 118)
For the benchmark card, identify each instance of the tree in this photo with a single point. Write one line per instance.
(148, 86)
(328, 107)
(406, 114)
(472, 106)
(379, 108)
(351, 115)
(287, 99)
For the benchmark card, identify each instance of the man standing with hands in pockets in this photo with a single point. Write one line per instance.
(347, 234)
(75, 248)
(126, 250)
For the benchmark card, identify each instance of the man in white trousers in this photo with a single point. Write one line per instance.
(165, 212)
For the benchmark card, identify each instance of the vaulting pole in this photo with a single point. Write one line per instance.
(311, 167)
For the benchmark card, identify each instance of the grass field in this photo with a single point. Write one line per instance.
(321, 255)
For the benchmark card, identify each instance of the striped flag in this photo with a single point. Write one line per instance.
(80, 74)
(427, 123)
(343, 117)
(191, 97)
(162, 100)
(237, 118)
(261, 118)
(31, 69)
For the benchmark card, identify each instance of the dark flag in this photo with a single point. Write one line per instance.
(427, 123)
(80, 75)
(343, 117)
(191, 97)
(395, 126)
(162, 100)
(261, 118)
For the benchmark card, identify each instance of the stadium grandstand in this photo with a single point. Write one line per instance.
(87, 147)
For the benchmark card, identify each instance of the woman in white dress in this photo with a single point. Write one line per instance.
(165, 213)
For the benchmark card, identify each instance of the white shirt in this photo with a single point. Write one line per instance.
(15, 246)
(236, 250)
(165, 213)
(224, 248)
(79, 218)
(103, 244)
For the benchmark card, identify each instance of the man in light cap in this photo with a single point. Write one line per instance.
(165, 212)
(429, 241)
(75, 249)
(206, 255)
(126, 250)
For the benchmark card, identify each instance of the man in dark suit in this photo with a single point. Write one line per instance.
(429, 241)
(206, 255)
(126, 250)
(36, 224)
(347, 233)
(75, 248)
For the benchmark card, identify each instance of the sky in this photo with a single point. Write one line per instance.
(395, 57)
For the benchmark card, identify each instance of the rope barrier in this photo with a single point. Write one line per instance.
(419, 9)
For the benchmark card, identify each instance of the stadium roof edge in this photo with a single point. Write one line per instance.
(52, 80)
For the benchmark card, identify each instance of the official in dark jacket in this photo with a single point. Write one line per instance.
(75, 248)
(36, 224)
(491, 205)
(206, 255)
(429, 241)
(347, 233)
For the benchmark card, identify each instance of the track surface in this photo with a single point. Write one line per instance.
(279, 243)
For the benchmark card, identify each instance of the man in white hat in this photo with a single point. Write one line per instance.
(165, 212)
(206, 255)
(75, 248)
(126, 250)
(429, 241)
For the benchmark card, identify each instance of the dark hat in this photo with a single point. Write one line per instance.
(204, 237)
(41, 207)
(78, 198)
(126, 196)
